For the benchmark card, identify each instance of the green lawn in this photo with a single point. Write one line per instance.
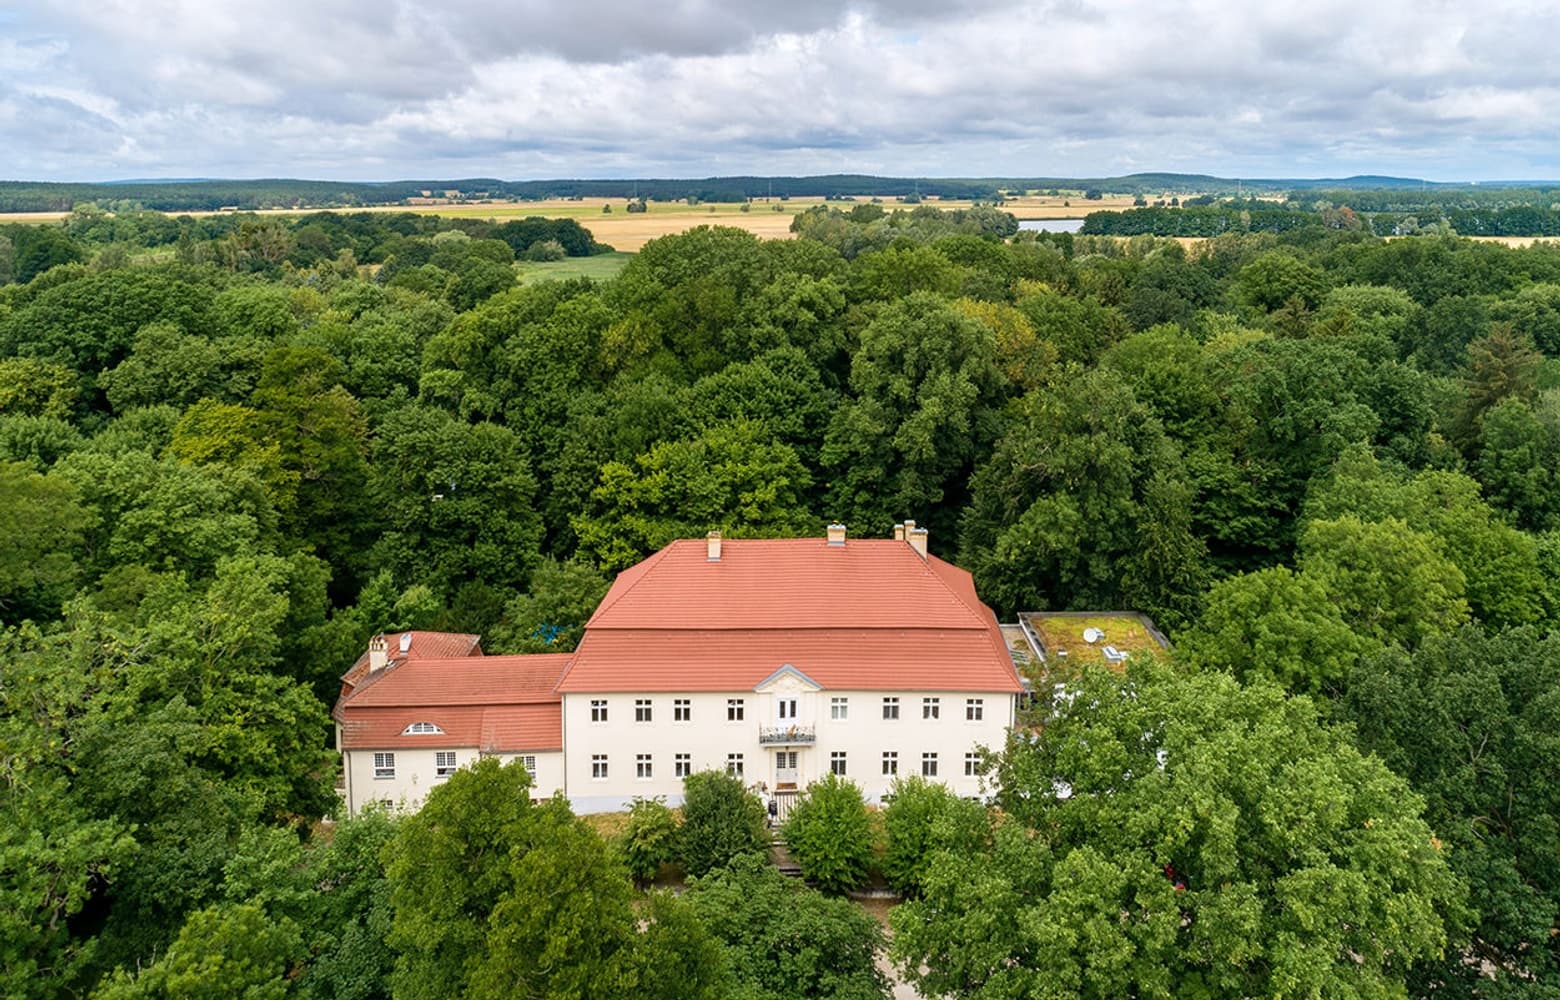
(598, 268)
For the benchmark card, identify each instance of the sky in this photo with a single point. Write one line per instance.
(525, 89)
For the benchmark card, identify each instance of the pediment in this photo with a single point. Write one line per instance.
(787, 680)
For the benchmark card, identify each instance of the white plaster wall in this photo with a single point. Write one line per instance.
(416, 774)
(709, 737)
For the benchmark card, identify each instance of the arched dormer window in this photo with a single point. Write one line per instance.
(421, 729)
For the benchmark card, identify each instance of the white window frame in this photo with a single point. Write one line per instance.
(736, 766)
(974, 709)
(736, 709)
(929, 764)
(839, 709)
(682, 765)
(786, 707)
(891, 708)
(384, 765)
(644, 710)
(422, 729)
(528, 761)
(598, 710)
(644, 766)
(599, 769)
(682, 710)
(837, 763)
(931, 708)
(971, 764)
(445, 763)
(891, 763)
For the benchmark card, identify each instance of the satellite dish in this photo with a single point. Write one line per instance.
(1092, 635)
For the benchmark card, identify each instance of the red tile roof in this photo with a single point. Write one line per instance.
(422, 644)
(869, 615)
(497, 703)
(497, 729)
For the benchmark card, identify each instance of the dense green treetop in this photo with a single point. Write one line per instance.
(234, 447)
(1176, 837)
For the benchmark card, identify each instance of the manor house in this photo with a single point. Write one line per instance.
(777, 660)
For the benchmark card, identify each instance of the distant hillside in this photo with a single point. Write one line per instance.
(211, 195)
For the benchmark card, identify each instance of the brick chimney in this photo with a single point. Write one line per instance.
(836, 534)
(378, 653)
(917, 539)
(712, 546)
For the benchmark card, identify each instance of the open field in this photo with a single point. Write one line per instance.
(598, 268)
(629, 232)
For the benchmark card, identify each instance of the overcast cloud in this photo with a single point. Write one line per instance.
(388, 89)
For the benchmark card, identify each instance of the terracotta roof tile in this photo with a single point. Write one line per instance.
(867, 615)
(466, 680)
(789, 583)
(497, 729)
(838, 659)
(422, 644)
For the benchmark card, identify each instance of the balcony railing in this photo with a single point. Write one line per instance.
(787, 734)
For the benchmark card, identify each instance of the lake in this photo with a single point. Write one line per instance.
(1051, 225)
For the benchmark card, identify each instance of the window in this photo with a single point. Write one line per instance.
(734, 765)
(643, 767)
(384, 765)
(444, 763)
(598, 710)
(974, 709)
(682, 710)
(421, 729)
(929, 765)
(890, 708)
(971, 763)
(785, 708)
(931, 708)
(837, 762)
(839, 709)
(890, 762)
(598, 766)
(642, 710)
(682, 765)
(735, 708)
(529, 763)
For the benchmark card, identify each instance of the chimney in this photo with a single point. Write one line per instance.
(378, 654)
(712, 546)
(917, 539)
(899, 532)
(836, 534)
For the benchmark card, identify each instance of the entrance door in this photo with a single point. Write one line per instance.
(785, 768)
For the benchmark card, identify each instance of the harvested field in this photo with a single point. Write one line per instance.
(629, 231)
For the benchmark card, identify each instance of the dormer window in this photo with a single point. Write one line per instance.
(422, 729)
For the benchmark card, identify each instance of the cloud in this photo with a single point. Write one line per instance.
(395, 88)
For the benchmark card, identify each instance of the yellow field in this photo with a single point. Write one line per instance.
(629, 231)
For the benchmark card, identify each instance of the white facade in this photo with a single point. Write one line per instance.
(403, 779)
(790, 732)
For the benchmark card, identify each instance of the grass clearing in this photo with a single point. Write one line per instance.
(600, 267)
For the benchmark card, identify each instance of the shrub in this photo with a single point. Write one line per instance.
(923, 817)
(830, 835)
(650, 839)
(545, 250)
(721, 820)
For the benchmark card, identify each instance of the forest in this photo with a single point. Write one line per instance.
(233, 448)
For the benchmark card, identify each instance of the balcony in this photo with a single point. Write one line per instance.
(774, 735)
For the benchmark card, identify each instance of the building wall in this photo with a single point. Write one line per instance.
(416, 773)
(708, 737)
